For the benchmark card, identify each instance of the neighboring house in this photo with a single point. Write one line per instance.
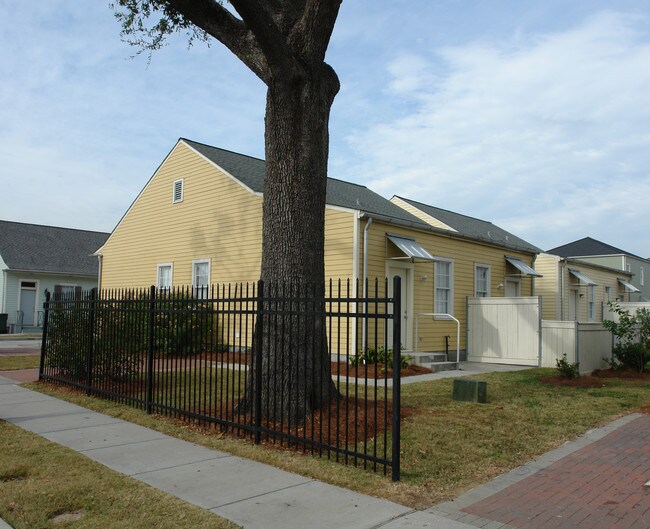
(198, 221)
(593, 251)
(572, 289)
(36, 258)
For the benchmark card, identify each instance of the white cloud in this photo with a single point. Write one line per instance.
(550, 128)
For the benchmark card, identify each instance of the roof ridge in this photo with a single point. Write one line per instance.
(443, 209)
(55, 227)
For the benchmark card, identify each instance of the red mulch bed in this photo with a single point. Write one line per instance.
(597, 379)
(342, 368)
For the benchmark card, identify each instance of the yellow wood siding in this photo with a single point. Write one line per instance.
(421, 214)
(550, 287)
(464, 254)
(218, 219)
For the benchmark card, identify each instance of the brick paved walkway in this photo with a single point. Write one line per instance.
(600, 486)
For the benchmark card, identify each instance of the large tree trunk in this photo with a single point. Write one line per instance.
(296, 374)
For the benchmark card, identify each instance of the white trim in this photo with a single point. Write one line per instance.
(429, 219)
(489, 279)
(180, 181)
(37, 297)
(171, 275)
(450, 301)
(201, 261)
(410, 268)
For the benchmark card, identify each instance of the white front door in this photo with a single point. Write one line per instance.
(404, 273)
(512, 288)
(28, 302)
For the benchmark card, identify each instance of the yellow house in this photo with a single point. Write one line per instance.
(198, 222)
(574, 290)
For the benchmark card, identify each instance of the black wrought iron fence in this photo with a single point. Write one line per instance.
(313, 368)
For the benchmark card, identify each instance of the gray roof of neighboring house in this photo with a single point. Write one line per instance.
(474, 228)
(32, 247)
(250, 172)
(588, 246)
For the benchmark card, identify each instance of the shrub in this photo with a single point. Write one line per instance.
(380, 356)
(632, 332)
(567, 369)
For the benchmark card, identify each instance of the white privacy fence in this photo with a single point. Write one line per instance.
(588, 344)
(511, 331)
(504, 330)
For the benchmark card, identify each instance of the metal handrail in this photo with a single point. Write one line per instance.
(439, 315)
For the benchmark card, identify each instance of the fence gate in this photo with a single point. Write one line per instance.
(504, 330)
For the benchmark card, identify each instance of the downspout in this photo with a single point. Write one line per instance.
(562, 265)
(365, 281)
(4, 290)
(532, 279)
(99, 272)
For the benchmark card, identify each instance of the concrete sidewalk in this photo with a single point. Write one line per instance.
(250, 494)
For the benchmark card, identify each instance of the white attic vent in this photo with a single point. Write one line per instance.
(178, 191)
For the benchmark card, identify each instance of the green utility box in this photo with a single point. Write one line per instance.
(470, 390)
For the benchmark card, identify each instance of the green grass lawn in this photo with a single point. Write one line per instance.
(10, 362)
(447, 446)
(44, 485)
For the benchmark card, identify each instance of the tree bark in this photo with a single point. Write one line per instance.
(296, 373)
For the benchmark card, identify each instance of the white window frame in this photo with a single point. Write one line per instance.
(160, 287)
(181, 182)
(450, 288)
(203, 293)
(591, 302)
(488, 279)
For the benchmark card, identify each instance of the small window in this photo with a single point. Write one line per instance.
(178, 191)
(201, 277)
(164, 282)
(608, 294)
(481, 281)
(27, 284)
(444, 285)
(67, 291)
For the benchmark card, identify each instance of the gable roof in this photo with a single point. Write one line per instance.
(588, 246)
(473, 228)
(32, 247)
(250, 172)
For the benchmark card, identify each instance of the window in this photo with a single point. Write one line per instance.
(165, 277)
(177, 195)
(444, 283)
(608, 294)
(481, 281)
(591, 302)
(67, 291)
(201, 277)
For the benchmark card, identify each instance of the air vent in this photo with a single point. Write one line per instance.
(178, 191)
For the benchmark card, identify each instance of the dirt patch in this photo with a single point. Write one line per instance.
(584, 381)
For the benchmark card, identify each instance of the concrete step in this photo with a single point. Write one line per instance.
(422, 358)
(440, 366)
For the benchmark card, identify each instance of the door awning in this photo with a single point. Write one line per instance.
(629, 287)
(583, 278)
(411, 248)
(522, 267)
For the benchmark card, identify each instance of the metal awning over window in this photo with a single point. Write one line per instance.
(583, 278)
(522, 267)
(411, 248)
(629, 287)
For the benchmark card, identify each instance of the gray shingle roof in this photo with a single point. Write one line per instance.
(49, 249)
(480, 230)
(588, 246)
(250, 172)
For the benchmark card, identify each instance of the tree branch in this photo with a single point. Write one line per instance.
(218, 22)
(312, 32)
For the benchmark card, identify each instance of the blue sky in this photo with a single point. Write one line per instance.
(533, 115)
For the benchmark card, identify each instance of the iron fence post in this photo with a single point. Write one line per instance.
(257, 370)
(150, 347)
(91, 331)
(397, 363)
(46, 309)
